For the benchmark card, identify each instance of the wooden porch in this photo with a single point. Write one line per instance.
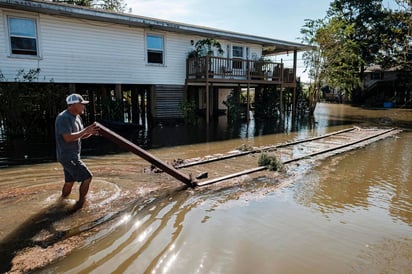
(211, 72)
(211, 69)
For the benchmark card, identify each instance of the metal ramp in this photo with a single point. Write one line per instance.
(321, 147)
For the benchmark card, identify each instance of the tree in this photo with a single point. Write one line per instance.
(353, 35)
(83, 3)
(313, 59)
(29, 108)
(341, 55)
(405, 59)
(205, 47)
(113, 5)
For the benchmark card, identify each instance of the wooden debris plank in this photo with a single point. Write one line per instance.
(318, 137)
(230, 176)
(126, 144)
(359, 140)
(262, 149)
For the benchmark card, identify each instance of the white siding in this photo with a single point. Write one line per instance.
(84, 51)
(3, 40)
(81, 51)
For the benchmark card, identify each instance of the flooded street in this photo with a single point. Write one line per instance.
(350, 213)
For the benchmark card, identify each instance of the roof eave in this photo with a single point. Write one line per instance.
(147, 22)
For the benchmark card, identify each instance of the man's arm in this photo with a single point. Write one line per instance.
(88, 131)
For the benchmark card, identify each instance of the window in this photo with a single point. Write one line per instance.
(23, 36)
(237, 53)
(377, 75)
(155, 49)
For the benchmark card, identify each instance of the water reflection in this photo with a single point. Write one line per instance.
(364, 178)
(36, 149)
(160, 228)
(312, 225)
(387, 256)
(15, 151)
(351, 213)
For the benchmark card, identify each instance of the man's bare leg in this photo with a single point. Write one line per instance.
(83, 189)
(67, 189)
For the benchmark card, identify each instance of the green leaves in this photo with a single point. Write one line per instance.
(272, 163)
(205, 47)
(353, 35)
(114, 5)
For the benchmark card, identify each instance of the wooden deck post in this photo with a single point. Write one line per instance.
(282, 79)
(295, 57)
(126, 144)
(248, 102)
(207, 104)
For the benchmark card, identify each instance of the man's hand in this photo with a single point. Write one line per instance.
(90, 130)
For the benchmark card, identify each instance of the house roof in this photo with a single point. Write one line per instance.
(269, 45)
(378, 68)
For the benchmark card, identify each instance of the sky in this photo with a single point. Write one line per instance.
(277, 19)
(268, 18)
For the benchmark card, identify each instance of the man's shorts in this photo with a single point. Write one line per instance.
(75, 171)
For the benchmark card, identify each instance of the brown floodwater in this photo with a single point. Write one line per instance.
(350, 213)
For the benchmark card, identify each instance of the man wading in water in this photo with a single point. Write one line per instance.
(69, 132)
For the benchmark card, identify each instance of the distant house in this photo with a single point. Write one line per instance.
(381, 86)
(375, 74)
(143, 62)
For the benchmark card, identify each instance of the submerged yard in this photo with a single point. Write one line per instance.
(349, 213)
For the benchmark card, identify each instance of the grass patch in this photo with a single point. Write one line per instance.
(272, 163)
(245, 147)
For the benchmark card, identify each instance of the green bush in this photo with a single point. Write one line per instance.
(272, 163)
(28, 107)
(188, 109)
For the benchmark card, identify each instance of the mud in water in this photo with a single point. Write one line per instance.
(53, 227)
(350, 213)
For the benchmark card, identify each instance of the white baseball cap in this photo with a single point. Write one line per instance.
(75, 98)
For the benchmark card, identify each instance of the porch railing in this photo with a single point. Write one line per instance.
(237, 69)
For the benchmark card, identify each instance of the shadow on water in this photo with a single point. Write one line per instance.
(39, 229)
(24, 235)
(19, 151)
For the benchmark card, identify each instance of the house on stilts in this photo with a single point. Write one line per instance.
(141, 65)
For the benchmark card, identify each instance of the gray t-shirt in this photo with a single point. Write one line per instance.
(67, 123)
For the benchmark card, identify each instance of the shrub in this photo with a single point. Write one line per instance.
(272, 163)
